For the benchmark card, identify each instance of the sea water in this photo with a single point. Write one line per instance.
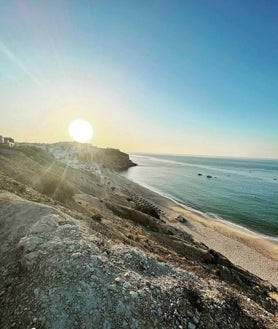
(241, 191)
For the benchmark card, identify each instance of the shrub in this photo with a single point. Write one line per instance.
(97, 217)
(130, 236)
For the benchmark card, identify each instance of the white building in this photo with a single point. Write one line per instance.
(11, 144)
(8, 140)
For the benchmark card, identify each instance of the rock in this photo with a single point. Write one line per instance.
(191, 325)
(46, 224)
(133, 294)
(112, 287)
(29, 243)
(76, 255)
(196, 320)
(37, 292)
(189, 313)
(118, 280)
(159, 312)
(181, 219)
(126, 285)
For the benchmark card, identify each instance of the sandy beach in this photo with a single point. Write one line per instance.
(246, 249)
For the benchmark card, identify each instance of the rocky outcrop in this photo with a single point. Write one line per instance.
(95, 260)
(112, 158)
(57, 274)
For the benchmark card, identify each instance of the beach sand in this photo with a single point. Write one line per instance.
(246, 249)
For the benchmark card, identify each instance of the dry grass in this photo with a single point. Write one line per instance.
(55, 188)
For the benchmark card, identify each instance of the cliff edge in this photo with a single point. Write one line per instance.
(78, 252)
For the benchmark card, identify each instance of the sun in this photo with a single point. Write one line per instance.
(81, 131)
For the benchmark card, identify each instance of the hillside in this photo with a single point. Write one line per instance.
(87, 156)
(81, 249)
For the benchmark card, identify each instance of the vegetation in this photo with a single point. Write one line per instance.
(97, 217)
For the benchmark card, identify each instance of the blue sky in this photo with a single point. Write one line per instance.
(183, 77)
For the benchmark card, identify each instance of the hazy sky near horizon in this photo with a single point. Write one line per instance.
(181, 77)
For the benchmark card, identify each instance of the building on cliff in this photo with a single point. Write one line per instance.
(7, 140)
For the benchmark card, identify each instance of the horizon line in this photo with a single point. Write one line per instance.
(205, 156)
(166, 153)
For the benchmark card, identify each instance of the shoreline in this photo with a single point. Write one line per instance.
(247, 249)
(208, 216)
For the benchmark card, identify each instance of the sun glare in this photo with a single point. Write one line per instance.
(81, 131)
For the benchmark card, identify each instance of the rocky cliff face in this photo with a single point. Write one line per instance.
(77, 253)
(113, 159)
(60, 273)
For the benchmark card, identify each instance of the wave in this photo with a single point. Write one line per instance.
(243, 228)
(208, 216)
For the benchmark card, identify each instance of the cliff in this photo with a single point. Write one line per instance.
(88, 155)
(78, 252)
(107, 158)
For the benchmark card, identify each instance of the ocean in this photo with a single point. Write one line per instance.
(241, 191)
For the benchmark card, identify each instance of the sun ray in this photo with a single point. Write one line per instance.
(12, 57)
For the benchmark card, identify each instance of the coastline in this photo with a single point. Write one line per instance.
(250, 250)
(207, 216)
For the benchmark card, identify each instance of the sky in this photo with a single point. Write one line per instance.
(174, 77)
